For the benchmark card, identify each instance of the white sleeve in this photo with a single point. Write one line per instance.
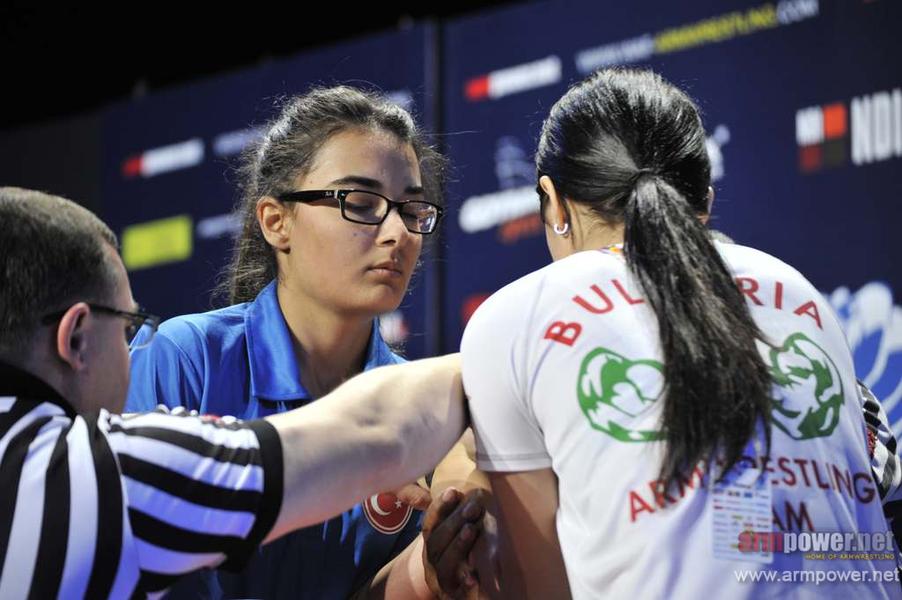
(493, 356)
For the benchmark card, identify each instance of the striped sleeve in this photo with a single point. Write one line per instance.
(885, 464)
(882, 447)
(62, 531)
(199, 491)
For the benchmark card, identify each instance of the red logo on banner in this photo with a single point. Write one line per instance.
(821, 133)
(132, 167)
(477, 88)
(386, 513)
(523, 227)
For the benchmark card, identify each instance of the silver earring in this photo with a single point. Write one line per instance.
(561, 230)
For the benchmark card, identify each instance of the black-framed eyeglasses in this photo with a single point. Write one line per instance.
(141, 325)
(371, 208)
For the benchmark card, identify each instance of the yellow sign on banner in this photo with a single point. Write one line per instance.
(157, 242)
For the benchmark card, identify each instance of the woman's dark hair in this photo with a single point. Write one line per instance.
(631, 146)
(287, 149)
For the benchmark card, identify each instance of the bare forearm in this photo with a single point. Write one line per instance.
(377, 431)
(401, 579)
(531, 562)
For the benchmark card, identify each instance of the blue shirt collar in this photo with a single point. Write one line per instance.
(274, 371)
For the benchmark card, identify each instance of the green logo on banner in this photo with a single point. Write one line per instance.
(801, 366)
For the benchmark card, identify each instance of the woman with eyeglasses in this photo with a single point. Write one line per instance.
(656, 409)
(338, 198)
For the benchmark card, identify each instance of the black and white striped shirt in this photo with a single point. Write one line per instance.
(108, 506)
(885, 463)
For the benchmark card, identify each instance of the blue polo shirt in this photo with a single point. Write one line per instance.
(240, 361)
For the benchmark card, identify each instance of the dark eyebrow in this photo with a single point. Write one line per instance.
(371, 183)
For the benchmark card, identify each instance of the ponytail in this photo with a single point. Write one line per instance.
(717, 386)
(632, 147)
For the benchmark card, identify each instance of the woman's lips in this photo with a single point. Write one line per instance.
(389, 270)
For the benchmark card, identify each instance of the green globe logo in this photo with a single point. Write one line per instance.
(613, 389)
(802, 367)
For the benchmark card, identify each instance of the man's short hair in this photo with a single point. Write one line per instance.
(53, 254)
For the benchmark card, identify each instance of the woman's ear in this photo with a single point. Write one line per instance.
(275, 222)
(555, 213)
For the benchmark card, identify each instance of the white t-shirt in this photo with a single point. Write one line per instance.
(563, 371)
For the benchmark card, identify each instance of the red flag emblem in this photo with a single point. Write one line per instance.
(386, 513)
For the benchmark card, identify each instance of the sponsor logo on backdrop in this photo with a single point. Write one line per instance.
(710, 30)
(821, 134)
(514, 208)
(219, 226)
(513, 166)
(877, 127)
(231, 143)
(714, 144)
(867, 129)
(483, 212)
(516, 170)
(164, 159)
(873, 327)
(402, 98)
(157, 242)
(514, 80)
(624, 52)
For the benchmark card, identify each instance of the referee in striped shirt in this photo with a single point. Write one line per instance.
(93, 504)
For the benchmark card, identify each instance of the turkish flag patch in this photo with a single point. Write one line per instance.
(386, 513)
